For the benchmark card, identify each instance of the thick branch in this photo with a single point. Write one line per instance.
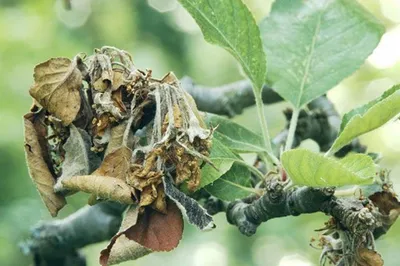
(229, 99)
(275, 203)
(56, 242)
(352, 215)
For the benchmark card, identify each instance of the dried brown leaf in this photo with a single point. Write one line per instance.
(118, 79)
(148, 196)
(140, 182)
(120, 248)
(157, 231)
(171, 79)
(178, 122)
(187, 166)
(56, 88)
(160, 203)
(38, 121)
(116, 96)
(389, 206)
(104, 187)
(40, 172)
(368, 257)
(101, 124)
(116, 164)
(101, 73)
(117, 137)
(125, 249)
(385, 201)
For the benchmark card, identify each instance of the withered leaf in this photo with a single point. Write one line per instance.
(56, 88)
(39, 171)
(116, 163)
(389, 206)
(100, 72)
(148, 196)
(125, 249)
(171, 79)
(104, 187)
(120, 248)
(385, 201)
(118, 79)
(79, 159)
(194, 212)
(104, 104)
(38, 121)
(368, 257)
(157, 231)
(160, 204)
(116, 96)
(117, 136)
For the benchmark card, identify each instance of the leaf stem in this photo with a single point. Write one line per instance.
(264, 126)
(328, 153)
(292, 129)
(252, 169)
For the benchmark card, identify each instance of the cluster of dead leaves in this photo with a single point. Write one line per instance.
(101, 126)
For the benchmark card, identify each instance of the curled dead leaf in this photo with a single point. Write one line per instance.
(40, 172)
(389, 206)
(385, 201)
(56, 88)
(187, 166)
(100, 72)
(100, 124)
(120, 248)
(368, 257)
(104, 187)
(148, 195)
(118, 79)
(116, 96)
(117, 137)
(116, 164)
(160, 203)
(124, 250)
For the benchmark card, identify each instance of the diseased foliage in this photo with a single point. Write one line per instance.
(99, 151)
(102, 126)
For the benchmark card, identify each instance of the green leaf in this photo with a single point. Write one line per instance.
(222, 158)
(235, 136)
(307, 168)
(229, 24)
(368, 117)
(313, 45)
(234, 184)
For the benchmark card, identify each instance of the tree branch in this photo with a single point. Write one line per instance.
(229, 99)
(247, 215)
(352, 214)
(56, 242)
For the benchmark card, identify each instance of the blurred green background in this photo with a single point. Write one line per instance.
(160, 35)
